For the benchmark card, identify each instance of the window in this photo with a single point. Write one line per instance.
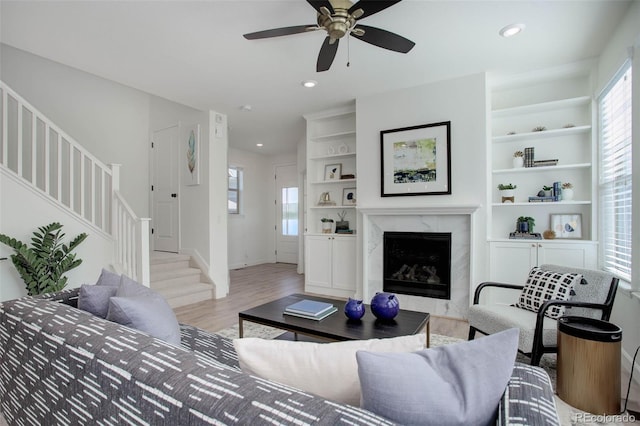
(290, 211)
(614, 113)
(235, 186)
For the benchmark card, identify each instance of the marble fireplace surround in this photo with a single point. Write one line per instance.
(457, 219)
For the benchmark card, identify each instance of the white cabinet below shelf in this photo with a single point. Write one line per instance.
(511, 261)
(330, 262)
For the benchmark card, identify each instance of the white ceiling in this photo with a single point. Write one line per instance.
(193, 52)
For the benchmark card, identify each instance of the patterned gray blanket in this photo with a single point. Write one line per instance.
(61, 365)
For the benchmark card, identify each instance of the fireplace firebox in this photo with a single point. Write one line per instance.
(417, 263)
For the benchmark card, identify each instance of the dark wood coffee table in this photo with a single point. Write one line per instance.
(336, 327)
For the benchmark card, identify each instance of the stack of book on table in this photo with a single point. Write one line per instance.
(310, 309)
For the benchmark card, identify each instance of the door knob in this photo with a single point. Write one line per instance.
(174, 195)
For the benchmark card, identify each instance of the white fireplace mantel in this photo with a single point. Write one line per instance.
(456, 218)
(432, 209)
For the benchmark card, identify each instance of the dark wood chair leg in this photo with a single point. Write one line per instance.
(472, 333)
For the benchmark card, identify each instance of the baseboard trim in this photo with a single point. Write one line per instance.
(199, 263)
(246, 265)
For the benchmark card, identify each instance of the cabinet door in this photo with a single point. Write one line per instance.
(569, 254)
(344, 263)
(318, 261)
(512, 261)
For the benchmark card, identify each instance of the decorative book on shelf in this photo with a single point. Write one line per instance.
(525, 236)
(542, 199)
(310, 309)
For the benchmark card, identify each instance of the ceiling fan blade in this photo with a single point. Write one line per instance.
(326, 55)
(372, 6)
(317, 4)
(277, 32)
(384, 39)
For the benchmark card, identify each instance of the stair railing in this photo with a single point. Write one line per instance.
(43, 156)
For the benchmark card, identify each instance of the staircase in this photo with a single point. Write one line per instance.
(177, 281)
(39, 155)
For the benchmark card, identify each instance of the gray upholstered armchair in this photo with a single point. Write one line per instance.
(538, 333)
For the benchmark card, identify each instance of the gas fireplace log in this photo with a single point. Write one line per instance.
(398, 275)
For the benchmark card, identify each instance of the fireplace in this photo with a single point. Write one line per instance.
(417, 263)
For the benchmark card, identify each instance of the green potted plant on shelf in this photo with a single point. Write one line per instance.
(42, 265)
(507, 192)
(547, 190)
(525, 224)
(327, 224)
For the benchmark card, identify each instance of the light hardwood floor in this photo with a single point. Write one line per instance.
(259, 284)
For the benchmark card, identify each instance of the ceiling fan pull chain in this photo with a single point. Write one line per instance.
(348, 51)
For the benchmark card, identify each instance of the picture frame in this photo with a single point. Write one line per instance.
(190, 155)
(416, 160)
(332, 171)
(349, 197)
(567, 226)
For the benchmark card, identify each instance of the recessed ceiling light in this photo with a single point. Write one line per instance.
(246, 108)
(259, 144)
(309, 83)
(511, 30)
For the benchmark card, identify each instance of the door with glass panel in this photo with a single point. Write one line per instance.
(287, 226)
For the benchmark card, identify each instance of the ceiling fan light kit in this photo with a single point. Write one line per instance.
(339, 18)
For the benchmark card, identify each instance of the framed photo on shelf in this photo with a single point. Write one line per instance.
(349, 197)
(332, 171)
(416, 160)
(567, 225)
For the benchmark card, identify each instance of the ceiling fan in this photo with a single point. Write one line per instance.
(339, 18)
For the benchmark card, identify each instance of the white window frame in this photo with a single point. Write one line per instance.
(616, 217)
(238, 190)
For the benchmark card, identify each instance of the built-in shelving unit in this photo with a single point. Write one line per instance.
(330, 258)
(331, 140)
(562, 105)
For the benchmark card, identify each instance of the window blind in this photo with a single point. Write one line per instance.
(614, 110)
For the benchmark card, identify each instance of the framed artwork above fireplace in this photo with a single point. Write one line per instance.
(416, 160)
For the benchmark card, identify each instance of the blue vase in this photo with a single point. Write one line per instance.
(354, 309)
(385, 306)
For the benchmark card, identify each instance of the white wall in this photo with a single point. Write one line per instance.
(15, 201)
(251, 233)
(110, 120)
(248, 231)
(461, 101)
(626, 309)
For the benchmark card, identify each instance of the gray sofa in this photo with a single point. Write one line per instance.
(61, 365)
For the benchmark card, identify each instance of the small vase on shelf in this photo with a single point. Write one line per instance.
(518, 159)
(567, 191)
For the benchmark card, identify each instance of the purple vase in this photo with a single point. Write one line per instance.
(385, 306)
(354, 309)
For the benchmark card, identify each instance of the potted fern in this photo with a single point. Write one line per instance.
(42, 265)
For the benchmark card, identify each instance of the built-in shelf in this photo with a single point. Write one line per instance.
(541, 204)
(321, 234)
(542, 169)
(541, 107)
(545, 241)
(330, 156)
(332, 207)
(333, 136)
(565, 131)
(322, 182)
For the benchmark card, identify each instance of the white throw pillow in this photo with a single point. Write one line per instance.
(329, 370)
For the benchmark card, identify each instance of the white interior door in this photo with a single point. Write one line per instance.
(164, 189)
(287, 219)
